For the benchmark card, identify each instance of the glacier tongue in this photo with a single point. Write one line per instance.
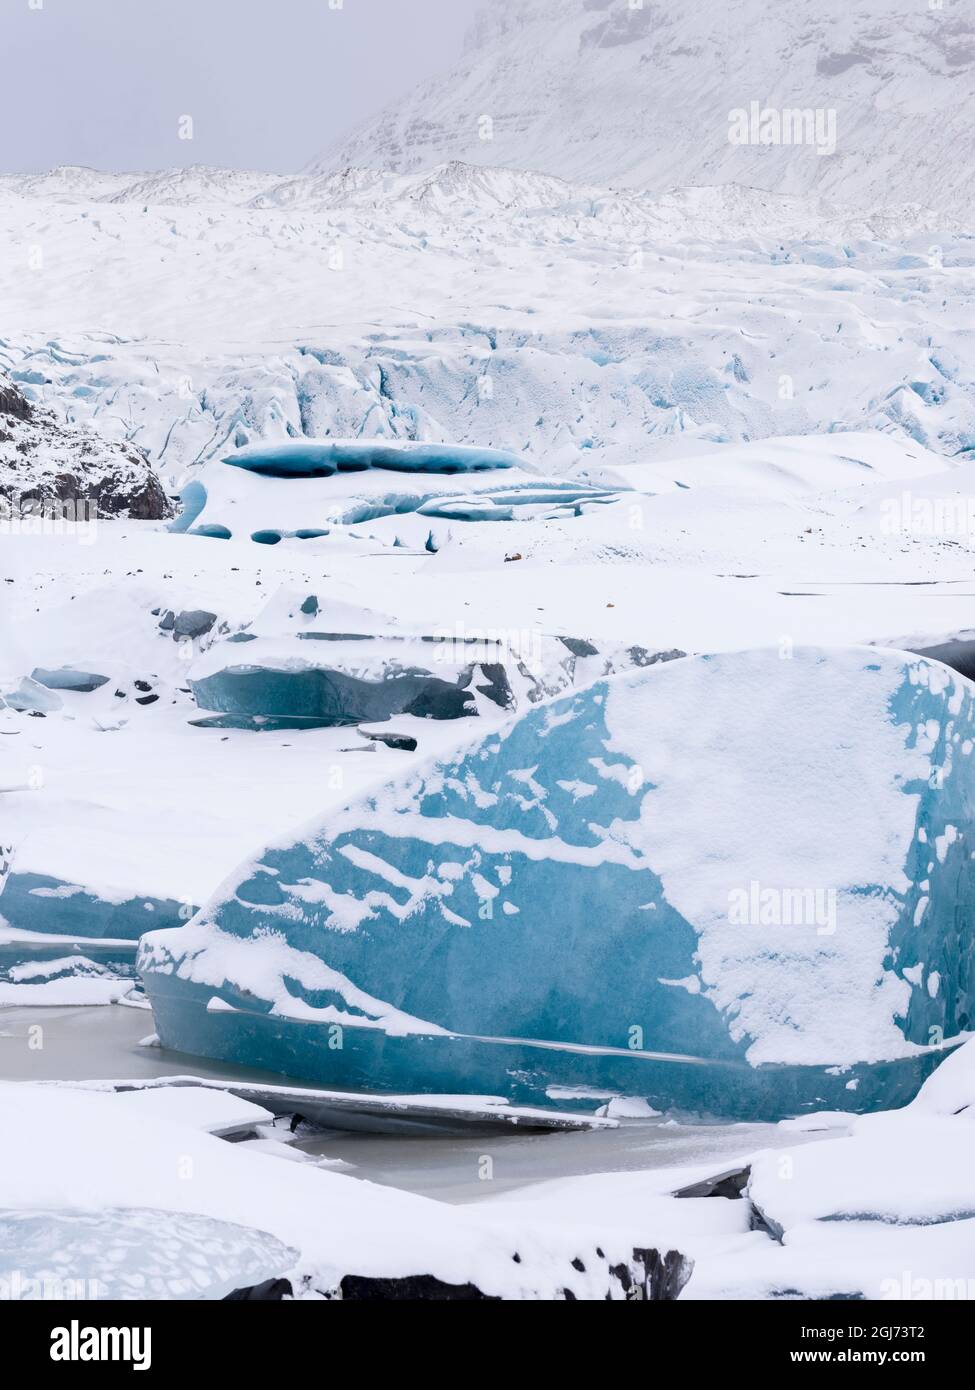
(727, 884)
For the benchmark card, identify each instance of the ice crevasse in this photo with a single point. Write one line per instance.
(738, 884)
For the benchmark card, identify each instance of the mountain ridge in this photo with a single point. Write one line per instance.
(596, 91)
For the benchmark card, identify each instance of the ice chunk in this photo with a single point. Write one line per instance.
(324, 458)
(41, 903)
(33, 959)
(308, 489)
(132, 1253)
(33, 698)
(784, 880)
(84, 682)
(871, 1175)
(306, 664)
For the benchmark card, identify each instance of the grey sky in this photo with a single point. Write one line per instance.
(268, 83)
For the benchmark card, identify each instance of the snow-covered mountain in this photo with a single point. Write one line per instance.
(639, 92)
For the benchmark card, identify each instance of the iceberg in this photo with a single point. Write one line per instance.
(41, 903)
(135, 1253)
(311, 662)
(309, 489)
(304, 458)
(732, 884)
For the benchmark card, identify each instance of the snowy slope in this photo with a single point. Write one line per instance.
(598, 89)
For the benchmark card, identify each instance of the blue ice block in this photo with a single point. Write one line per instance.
(737, 884)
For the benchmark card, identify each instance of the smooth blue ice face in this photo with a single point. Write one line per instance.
(737, 884)
(330, 698)
(67, 678)
(34, 902)
(324, 458)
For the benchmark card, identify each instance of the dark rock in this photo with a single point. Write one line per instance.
(731, 1183)
(498, 687)
(194, 622)
(271, 1291)
(402, 743)
(641, 657)
(654, 1277)
(68, 472)
(14, 403)
(414, 1288)
(578, 646)
(666, 1275)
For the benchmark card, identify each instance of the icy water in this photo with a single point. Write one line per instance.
(103, 1043)
(450, 1167)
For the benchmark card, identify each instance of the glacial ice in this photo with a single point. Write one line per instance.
(41, 903)
(66, 678)
(324, 458)
(318, 663)
(132, 1253)
(570, 902)
(307, 489)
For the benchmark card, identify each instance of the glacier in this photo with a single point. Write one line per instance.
(731, 884)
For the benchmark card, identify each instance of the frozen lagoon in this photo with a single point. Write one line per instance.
(83, 1044)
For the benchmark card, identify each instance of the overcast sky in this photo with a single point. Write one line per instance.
(269, 83)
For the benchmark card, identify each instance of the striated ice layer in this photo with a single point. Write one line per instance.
(737, 884)
(406, 492)
(324, 458)
(311, 661)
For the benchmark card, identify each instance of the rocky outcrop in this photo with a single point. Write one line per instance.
(49, 469)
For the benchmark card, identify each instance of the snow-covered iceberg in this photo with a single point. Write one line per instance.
(309, 661)
(734, 884)
(406, 492)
